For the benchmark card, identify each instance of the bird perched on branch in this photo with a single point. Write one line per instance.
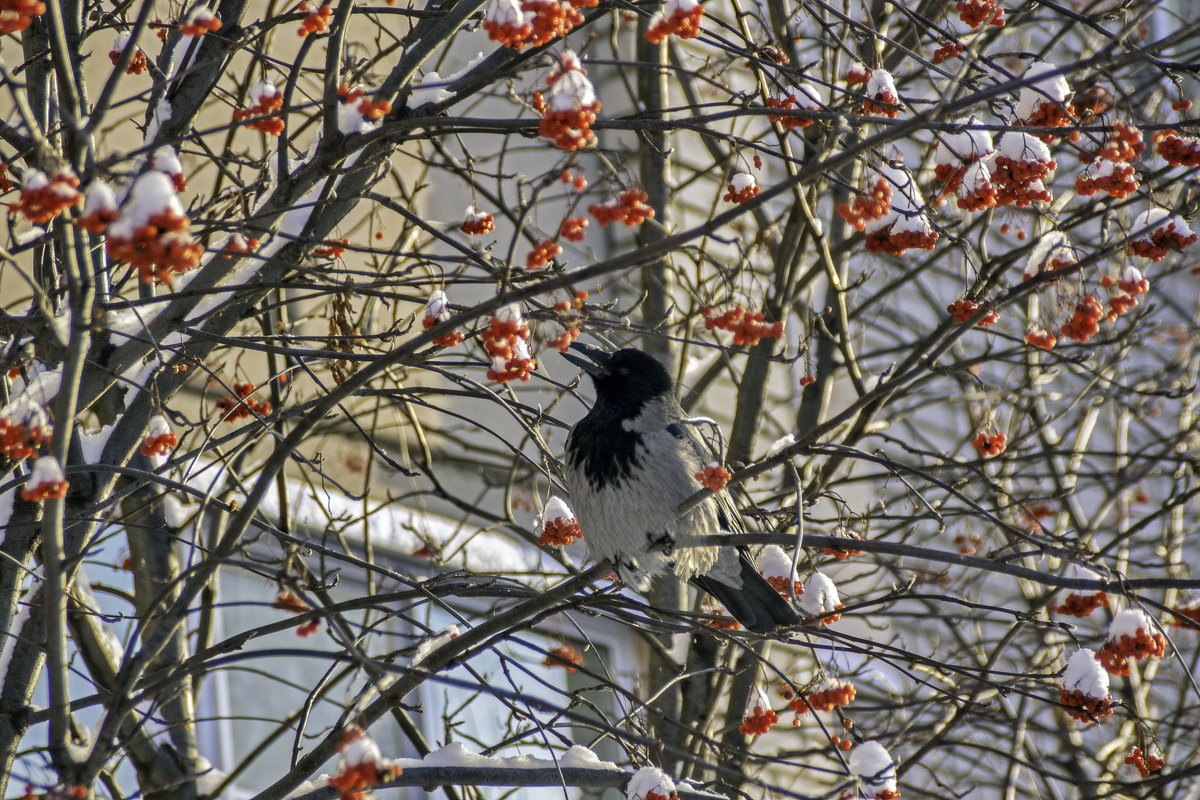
(631, 461)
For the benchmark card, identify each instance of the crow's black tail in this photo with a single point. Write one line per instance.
(756, 605)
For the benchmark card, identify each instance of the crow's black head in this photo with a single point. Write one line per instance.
(626, 379)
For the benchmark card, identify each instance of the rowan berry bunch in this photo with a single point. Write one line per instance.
(962, 310)
(1085, 708)
(506, 340)
(843, 552)
(239, 407)
(15, 15)
(265, 100)
(713, 477)
(1178, 150)
(866, 207)
(315, 20)
(947, 50)
(46, 481)
(1138, 645)
(332, 248)
(1085, 321)
(542, 254)
(989, 445)
(830, 695)
(361, 766)
(437, 309)
(21, 440)
(137, 64)
(1076, 604)
(801, 96)
(43, 199)
(742, 187)
(200, 22)
(757, 721)
(477, 223)
(559, 532)
(677, 18)
(1144, 763)
(976, 12)
(747, 327)
(1040, 337)
(629, 207)
(571, 229)
(882, 98)
(565, 656)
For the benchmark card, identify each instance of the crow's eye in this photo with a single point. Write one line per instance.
(623, 370)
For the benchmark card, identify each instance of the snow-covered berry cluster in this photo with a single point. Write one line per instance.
(477, 223)
(1158, 232)
(1178, 150)
(776, 568)
(650, 783)
(1114, 178)
(1144, 763)
(904, 226)
(801, 95)
(137, 64)
(159, 438)
(264, 100)
(1045, 103)
(1085, 688)
(532, 23)
(559, 527)
(759, 716)
(571, 106)
(839, 552)
(24, 433)
(200, 22)
(244, 402)
(1022, 166)
(871, 763)
(821, 599)
(506, 340)
(1131, 635)
(713, 477)
(437, 309)
(361, 766)
(869, 206)
(315, 20)
(151, 233)
(15, 15)
(882, 99)
(46, 481)
(742, 187)
(676, 18)
(42, 199)
(1085, 320)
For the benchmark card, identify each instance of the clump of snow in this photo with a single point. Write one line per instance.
(360, 749)
(815, 94)
(121, 41)
(871, 763)
(98, 196)
(152, 194)
(427, 646)
(1053, 246)
(571, 90)
(1085, 674)
(741, 181)
(555, 508)
(975, 177)
(46, 470)
(35, 179)
(27, 405)
(1128, 622)
(1053, 88)
(505, 12)
(881, 81)
(580, 757)
(969, 144)
(167, 160)
(263, 90)
(158, 426)
(780, 444)
(907, 212)
(437, 305)
(649, 780)
(1153, 219)
(510, 313)
(773, 562)
(820, 595)
(1021, 146)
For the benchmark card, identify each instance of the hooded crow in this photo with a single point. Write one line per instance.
(631, 461)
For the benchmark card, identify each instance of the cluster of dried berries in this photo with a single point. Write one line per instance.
(159, 438)
(832, 694)
(239, 407)
(962, 310)
(866, 207)
(43, 199)
(265, 99)
(560, 532)
(200, 22)
(361, 766)
(437, 309)
(289, 601)
(678, 18)
(542, 254)
(757, 721)
(989, 445)
(1140, 645)
(1145, 764)
(137, 64)
(564, 656)
(314, 21)
(713, 477)
(1085, 321)
(46, 481)
(571, 107)
(1116, 179)
(572, 229)
(843, 552)
(15, 15)
(1177, 150)
(21, 440)
(747, 328)
(1040, 337)
(630, 207)
(802, 96)
(976, 12)
(1081, 605)
(368, 108)
(506, 341)
(882, 98)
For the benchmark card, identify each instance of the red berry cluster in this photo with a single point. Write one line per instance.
(542, 254)
(981, 198)
(883, 104)
(137, 65)
(570, 129)
(989, 446)
(1085, 321)
(736, 195)
(478, 224)
(1176, 150)
(947, 50)
(159, 250)
(629, 207)
(1081, 605)
(758, 722)
(158, 445)
(18, 442)
(447, 340)
(661, 796)
(1040, 337)
(790, 122)
(1192, 612)
(962, 310)
(897, 243)
(42, 200)
(846, 744)
(564, 656)
(747, 328)
(333, 248)
(949, 174)
(780, 584)
(236, 243)
(871, 206)
(967, 544)
(1115, 655)
(500, 340)
(559, 532)
(576, 302)
(1125, 145)
(1051, 115)
(5, 182)
(713, 477)
(15, 15)
(1144, 764)
(1019, 183)
(844, 552)
(826, 699)
(577, 181)
(1161, 241)
(1120, 181)
(1084, 707)
(268, 103)
(352, 780)
(857, 74)
(240, 407)
(572, 228)
(201, 21)
(315, 21)
(684, 24)
(976, 12)
(367, 107)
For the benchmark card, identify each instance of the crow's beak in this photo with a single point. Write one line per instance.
(597, 366)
